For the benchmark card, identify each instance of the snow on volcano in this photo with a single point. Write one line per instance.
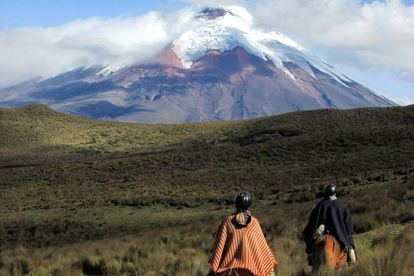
(208, 64)
(225, 28)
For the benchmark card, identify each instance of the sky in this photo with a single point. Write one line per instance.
(370, 41)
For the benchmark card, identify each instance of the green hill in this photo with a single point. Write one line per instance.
(274, 152)
(65, 179)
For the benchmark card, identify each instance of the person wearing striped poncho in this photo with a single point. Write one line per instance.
(240, 247)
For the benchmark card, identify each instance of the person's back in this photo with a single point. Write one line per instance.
(330, 216)
(240, 245)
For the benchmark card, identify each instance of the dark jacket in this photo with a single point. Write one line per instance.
(337, 220)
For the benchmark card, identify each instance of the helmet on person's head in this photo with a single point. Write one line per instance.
(243, 201)
(330, 190)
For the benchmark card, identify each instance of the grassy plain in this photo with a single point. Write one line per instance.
(82, 196)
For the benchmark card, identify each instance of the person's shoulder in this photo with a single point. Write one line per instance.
(327, 203)
(339, 202)
(227, 218)
(254, 220)
(322, 202)
(343, 204)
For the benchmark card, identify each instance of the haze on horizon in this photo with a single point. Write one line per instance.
(370, 41)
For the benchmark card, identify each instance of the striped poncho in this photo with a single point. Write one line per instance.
(241, 247)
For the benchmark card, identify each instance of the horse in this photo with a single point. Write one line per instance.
(327, 252)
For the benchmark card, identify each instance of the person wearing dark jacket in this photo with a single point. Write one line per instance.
(330, 216)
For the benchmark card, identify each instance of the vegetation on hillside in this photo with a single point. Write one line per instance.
(101, 197)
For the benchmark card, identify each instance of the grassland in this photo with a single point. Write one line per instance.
(83, 196)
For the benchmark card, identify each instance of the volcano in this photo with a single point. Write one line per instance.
(218, 67)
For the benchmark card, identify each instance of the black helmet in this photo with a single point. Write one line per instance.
(243, 201)
(330, 189)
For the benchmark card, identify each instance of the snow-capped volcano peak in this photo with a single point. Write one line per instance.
(205, 64)
(212, 13)
(234, 12)
(227, 27)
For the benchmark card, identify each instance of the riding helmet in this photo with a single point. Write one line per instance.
(243, 201)
(330, 189)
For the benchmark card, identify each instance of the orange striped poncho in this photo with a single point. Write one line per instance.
(241, 247)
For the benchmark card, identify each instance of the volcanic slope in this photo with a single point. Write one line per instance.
(217, 66)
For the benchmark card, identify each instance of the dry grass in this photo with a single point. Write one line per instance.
(184, 251)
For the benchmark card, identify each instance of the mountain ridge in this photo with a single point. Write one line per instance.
(218, 67)
(38, 133)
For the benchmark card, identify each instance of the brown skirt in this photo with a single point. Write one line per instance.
(327, 251)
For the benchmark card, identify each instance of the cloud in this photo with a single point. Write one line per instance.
(37, 51)
(374, 36)
(215, 2)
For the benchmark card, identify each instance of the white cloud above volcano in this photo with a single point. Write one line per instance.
(375, 36)
(45, 51)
